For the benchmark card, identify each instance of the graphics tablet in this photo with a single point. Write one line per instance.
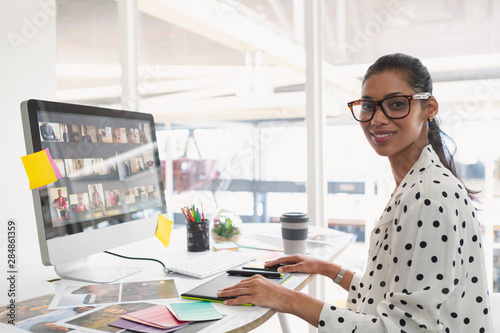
(208, 290)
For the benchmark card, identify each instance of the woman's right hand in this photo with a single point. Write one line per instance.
(300, 263)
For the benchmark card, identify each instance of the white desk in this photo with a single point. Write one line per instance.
(32, 279)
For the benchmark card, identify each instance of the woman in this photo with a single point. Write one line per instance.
(425, 270)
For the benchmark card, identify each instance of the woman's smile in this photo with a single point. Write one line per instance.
(381, 137)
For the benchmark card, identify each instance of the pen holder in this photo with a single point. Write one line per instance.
(198, 238)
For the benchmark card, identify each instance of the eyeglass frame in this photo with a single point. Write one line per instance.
(422, 95)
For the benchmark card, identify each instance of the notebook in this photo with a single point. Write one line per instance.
(208, 290)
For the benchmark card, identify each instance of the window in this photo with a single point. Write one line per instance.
(230, 104)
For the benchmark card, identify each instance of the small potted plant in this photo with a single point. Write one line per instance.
(226, 226)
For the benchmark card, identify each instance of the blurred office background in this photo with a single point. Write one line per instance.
(226, 82)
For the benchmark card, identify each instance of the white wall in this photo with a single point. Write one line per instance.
(27, 70)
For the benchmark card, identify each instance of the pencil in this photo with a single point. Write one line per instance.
(182, 211)
(191, 210)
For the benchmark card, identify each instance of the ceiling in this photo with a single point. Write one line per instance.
(244, 60)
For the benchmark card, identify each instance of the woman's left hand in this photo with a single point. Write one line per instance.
(258, 290)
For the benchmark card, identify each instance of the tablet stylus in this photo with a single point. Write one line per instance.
(269, 275)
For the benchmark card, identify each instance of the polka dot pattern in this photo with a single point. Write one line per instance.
(426, 266)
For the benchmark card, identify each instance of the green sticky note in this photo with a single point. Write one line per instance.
(195, 311)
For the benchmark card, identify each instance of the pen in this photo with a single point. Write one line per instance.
(265, 269)
(269, 275)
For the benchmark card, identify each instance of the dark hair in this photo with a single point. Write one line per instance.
(418, 78)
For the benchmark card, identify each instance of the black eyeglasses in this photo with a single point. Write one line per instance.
(394, 107)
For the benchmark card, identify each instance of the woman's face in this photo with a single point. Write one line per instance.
(403, 138)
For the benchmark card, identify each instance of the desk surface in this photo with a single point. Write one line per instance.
(32, 278)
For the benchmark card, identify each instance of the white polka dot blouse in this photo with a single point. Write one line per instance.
(425, 270)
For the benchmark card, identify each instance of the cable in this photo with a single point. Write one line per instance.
(132, 258)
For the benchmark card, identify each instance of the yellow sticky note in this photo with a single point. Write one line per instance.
(163, 229)
(39, 169)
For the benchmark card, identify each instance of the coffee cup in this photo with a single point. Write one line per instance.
(294, 226)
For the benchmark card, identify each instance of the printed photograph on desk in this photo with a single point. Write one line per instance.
(99, 294)
(28, 309)
(93, 294)
(53, 321)
(148, 290)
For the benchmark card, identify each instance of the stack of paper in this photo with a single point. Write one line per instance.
(195, 311)
(154, 319)
(162, 319)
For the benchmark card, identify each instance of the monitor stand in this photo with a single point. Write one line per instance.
(83, 270)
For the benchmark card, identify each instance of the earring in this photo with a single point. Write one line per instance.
(430, 121)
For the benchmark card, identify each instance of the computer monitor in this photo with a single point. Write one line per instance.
(111, 190)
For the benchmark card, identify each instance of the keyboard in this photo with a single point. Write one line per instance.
(212, 263)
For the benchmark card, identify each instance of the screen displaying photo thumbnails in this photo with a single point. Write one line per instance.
(106, 190)
(56, 132)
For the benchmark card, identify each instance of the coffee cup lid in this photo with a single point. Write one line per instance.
(294, 217)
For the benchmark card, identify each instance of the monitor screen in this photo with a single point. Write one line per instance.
(111, 176)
